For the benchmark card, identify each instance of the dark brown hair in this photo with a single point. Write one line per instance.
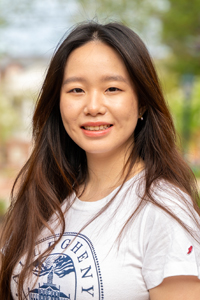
(57, 166)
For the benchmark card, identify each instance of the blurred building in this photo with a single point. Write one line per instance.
(20, 82)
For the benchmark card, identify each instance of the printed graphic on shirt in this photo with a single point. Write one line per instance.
(71, 271)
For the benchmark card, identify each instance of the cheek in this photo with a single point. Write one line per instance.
(67, 113)
(133, 110)
(129, 111)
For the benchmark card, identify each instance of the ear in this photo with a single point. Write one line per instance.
(141, 112)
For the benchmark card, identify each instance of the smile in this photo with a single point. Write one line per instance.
(96, 128)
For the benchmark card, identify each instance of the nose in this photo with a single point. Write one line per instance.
(95, 104)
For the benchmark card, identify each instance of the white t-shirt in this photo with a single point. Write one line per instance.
(95, 265)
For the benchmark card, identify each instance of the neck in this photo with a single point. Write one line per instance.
(105, 174)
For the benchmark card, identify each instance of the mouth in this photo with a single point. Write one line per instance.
(97, 128)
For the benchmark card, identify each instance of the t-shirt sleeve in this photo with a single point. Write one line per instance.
(168, 249)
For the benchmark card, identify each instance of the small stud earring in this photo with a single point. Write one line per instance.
(141, 117)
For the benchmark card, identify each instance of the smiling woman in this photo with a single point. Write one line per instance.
(98, 104)
(105, 207)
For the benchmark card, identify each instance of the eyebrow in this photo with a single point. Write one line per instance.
(114, 78)
(104, 79)
(73, 79)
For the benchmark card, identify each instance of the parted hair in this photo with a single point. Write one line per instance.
(57, 166)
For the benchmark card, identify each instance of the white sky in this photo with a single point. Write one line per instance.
(38, 31)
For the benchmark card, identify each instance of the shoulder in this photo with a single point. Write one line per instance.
(174, 201)
(171, 243)
(165, 207)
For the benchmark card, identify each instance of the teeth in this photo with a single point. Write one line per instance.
(96, 128)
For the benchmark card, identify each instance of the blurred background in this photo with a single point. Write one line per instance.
(29, 33)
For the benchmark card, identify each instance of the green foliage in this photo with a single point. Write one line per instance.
(196, 171)
(181, 32)
(174, 93)
(176, 100)
(195, 108)
(2, 207)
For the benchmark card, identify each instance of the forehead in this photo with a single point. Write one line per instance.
(96, 58)
(92, 48)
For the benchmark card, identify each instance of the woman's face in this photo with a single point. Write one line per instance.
(98, 103)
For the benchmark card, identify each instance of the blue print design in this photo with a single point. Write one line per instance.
(71, 271)
(59, 264)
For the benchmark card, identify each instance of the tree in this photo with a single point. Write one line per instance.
(181, 32)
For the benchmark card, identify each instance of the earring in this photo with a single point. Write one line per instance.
(141, 117)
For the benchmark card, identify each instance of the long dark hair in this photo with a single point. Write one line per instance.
(57, 166)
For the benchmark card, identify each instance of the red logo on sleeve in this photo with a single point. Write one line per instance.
(190, 249)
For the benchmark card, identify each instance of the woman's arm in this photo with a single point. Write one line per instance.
(177, 288)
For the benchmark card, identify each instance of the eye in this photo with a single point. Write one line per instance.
(113, 89)
(76, 91)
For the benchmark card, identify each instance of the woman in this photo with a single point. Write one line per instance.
(105, 207)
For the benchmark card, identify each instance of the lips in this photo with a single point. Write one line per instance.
(96, 129)
(91, 126)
